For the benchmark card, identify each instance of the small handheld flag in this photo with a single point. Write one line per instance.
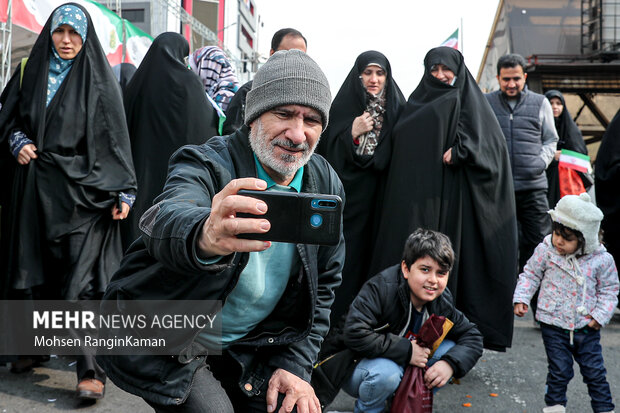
(575, 160)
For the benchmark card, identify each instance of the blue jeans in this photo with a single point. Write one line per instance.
(587, 352)
(375, 380)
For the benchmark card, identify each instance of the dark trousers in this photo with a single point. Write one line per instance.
(587, 352)
(215, 389)
(534, 222)
(86, 365)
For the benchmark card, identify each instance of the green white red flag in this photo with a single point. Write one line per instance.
(575, 160)
(32, 15)
(452, 41)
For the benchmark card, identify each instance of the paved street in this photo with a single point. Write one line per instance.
(517, 377)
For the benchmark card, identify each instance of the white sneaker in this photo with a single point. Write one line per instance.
(558, 408)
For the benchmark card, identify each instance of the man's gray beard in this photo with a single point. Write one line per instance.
(287, 165)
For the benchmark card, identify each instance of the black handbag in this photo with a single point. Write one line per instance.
(329, 375)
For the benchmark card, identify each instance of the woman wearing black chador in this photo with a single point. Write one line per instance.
(607, 181)
(166, 108)
(357, 143)
(450, 172)
(65, 149)
(570, 138)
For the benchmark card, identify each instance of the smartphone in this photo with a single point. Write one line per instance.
(300, 218)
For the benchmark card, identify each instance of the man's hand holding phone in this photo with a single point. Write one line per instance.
(220, 230)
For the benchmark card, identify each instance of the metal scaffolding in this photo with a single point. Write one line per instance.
(6, 29)
(174, 8)
(600, 28)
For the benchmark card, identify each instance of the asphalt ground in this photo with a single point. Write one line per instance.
(510, 382)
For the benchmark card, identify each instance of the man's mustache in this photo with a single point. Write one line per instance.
(289, 144)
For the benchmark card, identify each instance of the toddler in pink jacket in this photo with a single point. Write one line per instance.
(578, 283)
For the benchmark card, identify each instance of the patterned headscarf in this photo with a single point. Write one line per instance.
(59, 67)
(217, 75)
(375, 106)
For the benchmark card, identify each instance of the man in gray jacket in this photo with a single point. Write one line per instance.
(527, 121)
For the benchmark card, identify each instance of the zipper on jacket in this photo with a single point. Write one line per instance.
(512, 142)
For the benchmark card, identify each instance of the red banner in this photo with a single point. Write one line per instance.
(32, 15)
(4, 7)
(29, 15)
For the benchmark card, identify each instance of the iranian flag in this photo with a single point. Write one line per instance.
(131, 48)
(452, 41)
(575, 160)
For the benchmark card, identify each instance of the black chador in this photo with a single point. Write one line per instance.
(57, 221)
(471, 200)
(166, 108)
(59, 239)
(360, 170)
(607, 181)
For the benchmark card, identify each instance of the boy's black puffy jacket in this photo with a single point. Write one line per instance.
(379, 314)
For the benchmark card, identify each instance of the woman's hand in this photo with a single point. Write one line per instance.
(26, 154)
(116, 214)
(361, 125)
(557, 155)
(447, 157)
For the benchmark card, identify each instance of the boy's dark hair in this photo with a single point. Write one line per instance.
(569, 234)
(281, 34)
(426, 243)
(510, 60)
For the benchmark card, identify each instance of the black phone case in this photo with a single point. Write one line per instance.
(291, 216)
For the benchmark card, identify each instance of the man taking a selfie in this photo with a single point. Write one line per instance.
(276, 296)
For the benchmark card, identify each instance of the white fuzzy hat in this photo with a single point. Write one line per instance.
(579, 213)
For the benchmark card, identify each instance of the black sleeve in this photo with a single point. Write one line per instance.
(468, 339)
(364, 330)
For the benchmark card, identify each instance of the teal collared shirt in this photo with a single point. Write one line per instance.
(295, 183)
(261, 283)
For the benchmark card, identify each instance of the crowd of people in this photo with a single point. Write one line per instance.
(115, 186)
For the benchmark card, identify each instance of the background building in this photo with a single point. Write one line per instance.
(232, 25)
(570, 45)
(229, 24)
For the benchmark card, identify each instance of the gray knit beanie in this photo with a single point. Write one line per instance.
(289, 77)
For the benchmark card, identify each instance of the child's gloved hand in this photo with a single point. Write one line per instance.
(419, 355)
(520, 309)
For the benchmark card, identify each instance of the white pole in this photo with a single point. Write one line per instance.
(462, 38)
(7, 44)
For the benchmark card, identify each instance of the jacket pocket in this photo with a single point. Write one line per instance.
(546, 304)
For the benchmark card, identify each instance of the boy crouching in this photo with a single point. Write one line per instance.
(386, 315)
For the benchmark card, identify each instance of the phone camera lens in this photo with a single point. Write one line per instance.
(316, 220)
